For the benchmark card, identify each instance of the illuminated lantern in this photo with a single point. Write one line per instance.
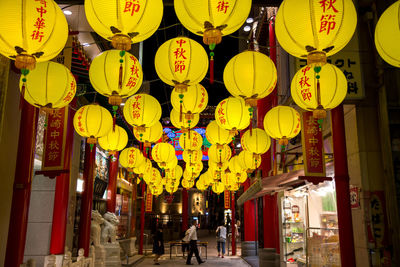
(186, 122)
(248, 161)
(387, 35)
(222, 166)
(150, 134)
(282, 123)
(115, 140)
(232, 114)
(219, 154)
(192, 156)
(142, 110)
(49, 86)
(92, 121)
(192, 141)
(187, 184)
(212, 19)
(218, 188)
(256, 141)
(230, 183)
(124, 22)
(156, 190)
(321, 29)
(153, 177)
(201, 185)
(196, 167)
(163, 153)
(194, 100)
(131, 158)
(217, 135)
(116, 74)
(318, 89)
(171, 188)
(174, 173)
(181, 62)
(170, 164)
(144, 167)
(234, 165)
(31, 31)
(250, 75)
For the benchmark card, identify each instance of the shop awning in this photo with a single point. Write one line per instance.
(281, 182)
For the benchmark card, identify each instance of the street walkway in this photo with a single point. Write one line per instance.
(212, 260)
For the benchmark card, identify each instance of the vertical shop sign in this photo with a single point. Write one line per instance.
(378, 218)
(313, 149)
(54, 140)
(149, 202)
(354, 197)
(227, 202)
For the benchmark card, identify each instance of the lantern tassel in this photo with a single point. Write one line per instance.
(180, 113)
(21, 97)
(211, 70)
(120, 77)
(114, 120)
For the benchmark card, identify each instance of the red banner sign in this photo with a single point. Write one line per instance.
(149, 202)
(313, 146)
(227, 202)
(54, 140)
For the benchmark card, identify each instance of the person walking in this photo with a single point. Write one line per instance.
(221, 239)
(158, 243)
(193, 244)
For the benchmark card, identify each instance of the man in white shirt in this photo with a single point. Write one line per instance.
(193, 244)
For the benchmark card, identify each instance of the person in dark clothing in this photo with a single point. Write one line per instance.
(158, 243)
(193, 244)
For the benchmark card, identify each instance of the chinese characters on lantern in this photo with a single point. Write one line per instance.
(329, 11)
(136, 107)
(313, 149)
(40, 21)
(132, 7)
(203, 98)
(223, 6)
(134, 73)
(180, 58)
(220, 112)
(227, 202)
(54, 140)
(131, 157)
(71, 93)
(305, 84)
(80, 125)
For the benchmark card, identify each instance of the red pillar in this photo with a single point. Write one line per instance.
(249, 217)
(22, 187)
(142, 213)
(347, 253)
(112, 183)
(233, 224)
(87, 198)
(185, 211)
(61, 196)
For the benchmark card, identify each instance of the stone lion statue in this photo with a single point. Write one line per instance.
(108, 232)
(95, 228)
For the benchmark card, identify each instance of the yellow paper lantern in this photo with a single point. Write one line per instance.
(131, 158)
(153, 177)
(204, 179)
(49, 86)
(330, 92)
(230, 183)
(187, 122)
(170, 164)
(315, 29)
(31, 31)
(222, 166)
(124, 22)
(156, 189)
(387, 35)
(234, 165)
(142, 110)
(144, 167)
(232, 114)
(217, 135)
(218, 188)
(181, 62)
(196, 167)
(115, 140)
(163, 153)
(116, 74)
(212, 19)
(219, 154)
(194, 100)
(192, 156)
(250, 75)
(256, 141)
(150, 134)
(187, 184)
(174, 173)
(249, 161)
(201, 185)
(282, 123)
(191, 141)
(171, 189)
(92, 121)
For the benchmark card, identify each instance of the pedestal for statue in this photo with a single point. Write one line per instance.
(100, 256)
(112, 251)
